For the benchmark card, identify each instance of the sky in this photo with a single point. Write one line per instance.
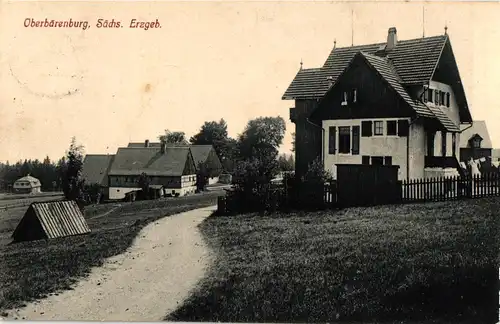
(209, 60)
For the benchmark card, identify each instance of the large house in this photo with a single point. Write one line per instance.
(202, 154)
(27, 184)
(393, 103)
(171, 169)
(95, 171)
(475, 142)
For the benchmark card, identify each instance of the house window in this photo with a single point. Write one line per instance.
(441, 98)
(443, 143)
(378, 128)
(344, 102)
(476, 142)
(392, 127)
(377, 160)
(355, 139)
(344, 139)
(354, 95)
(436, 97)
(388, 160)
(332, 136)
(430, 143)
(365, 160)
(453, 144)
(403, 127)
(447, 99)
(430, 92)
(366, 128)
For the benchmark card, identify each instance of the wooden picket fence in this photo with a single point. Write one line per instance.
(450, 188)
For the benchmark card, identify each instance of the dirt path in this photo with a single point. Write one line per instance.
(144, 284)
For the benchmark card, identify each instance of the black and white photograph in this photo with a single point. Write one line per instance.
(250, 161)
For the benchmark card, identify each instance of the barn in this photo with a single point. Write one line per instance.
(49, 220)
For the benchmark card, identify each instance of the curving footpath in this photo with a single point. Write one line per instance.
(145, 283)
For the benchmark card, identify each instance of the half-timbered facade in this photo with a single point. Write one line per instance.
(394, 103)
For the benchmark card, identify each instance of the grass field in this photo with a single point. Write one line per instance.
(434, 262)
(32, 270)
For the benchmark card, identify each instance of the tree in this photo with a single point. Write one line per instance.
(293, 142)
(173, 137)
(144, 184)
(258, 145)
(73, 184)
(215, 133)
(286, 163)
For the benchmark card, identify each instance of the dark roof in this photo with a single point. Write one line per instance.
(387, 71)
(200, 152)
(96, 168)
(50, 220)
(414, 61)
(150, 160)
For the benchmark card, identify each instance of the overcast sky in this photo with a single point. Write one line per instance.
(210, 60)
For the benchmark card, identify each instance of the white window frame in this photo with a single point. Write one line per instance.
(344, 102)
(375, 127)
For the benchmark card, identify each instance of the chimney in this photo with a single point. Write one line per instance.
(392, 39)
(146, 143)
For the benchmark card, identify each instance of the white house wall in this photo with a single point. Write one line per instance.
(417, 150)
(386, 145)
(452, 111)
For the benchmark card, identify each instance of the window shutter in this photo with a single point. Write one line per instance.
(425, 95)
(366, 128)
(332, 136)
(365, 160)
(403, 127)
(355, 139)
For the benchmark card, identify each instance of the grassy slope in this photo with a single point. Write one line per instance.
(32, 270)
(412, 262)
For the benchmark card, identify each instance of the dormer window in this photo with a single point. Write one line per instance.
(475, 141)
(430, 93)
(447, 99)
(436, 97)
(441, 98)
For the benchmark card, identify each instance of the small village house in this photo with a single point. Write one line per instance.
(202, 154)
(475, 142)
(27, 184)
(400, 102)
(171, 168)
(95, 171)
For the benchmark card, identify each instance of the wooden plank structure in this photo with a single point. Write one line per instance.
(49, 220)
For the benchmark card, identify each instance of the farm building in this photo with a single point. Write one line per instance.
(475, 141)
(396, 103)
(171, 167)
(49, 220)
(95, 170)
(27, 184)
(204, 154)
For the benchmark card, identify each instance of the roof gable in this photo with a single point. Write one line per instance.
(96, 167)
(414, 61)
(478, 128)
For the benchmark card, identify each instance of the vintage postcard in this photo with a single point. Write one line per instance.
(249, 161)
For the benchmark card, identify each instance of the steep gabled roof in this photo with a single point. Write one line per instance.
(478, 128)
(150, 160)
(414, 61)
(387, 72)
(96, 168)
